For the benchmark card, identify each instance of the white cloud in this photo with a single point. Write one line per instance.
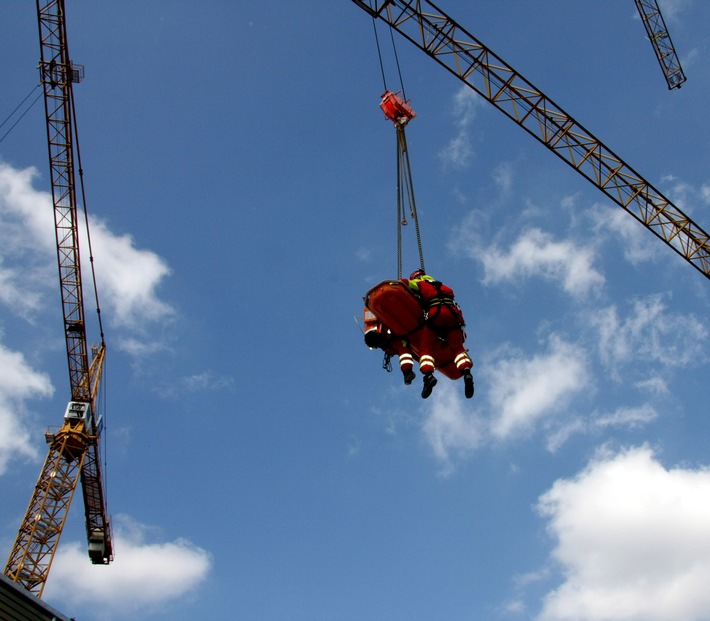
(142, 577)
(18, 382)
(24, 273)
(128, 277)
(632, 539)
(536, 254)
(525, 390)
(449, 425)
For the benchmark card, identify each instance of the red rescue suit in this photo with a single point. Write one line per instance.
(443, 320)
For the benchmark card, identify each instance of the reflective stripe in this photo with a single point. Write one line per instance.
(462, 359)
(426, 363)
(438, 301)
(406, 358)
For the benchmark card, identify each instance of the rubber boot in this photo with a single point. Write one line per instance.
(429, 383)
(409, 376)
(468, 384)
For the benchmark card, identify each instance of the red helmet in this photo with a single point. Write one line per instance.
(417, 274)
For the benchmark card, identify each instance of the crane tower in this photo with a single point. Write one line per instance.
(74, 449)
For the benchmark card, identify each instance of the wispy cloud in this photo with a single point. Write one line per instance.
(459, 151)
(623, 417)
(450, 427)
(202, 383)
(648, 332)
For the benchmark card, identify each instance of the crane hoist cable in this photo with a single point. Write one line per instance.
(101, 397)
(405, 197)
(86, 215)
(397, 109)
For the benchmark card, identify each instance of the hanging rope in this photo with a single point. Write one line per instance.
(405, 197)
(396, 60)
(379, 53)
(405, 186)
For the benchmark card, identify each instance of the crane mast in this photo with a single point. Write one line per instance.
(74, 449)
(454, 48)
(661, 41)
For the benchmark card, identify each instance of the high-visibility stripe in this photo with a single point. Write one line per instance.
(463, 360)
(406, 359)
(438, 301)
(426, 363)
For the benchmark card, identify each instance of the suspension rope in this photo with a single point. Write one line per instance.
(405, 194)
(401, 216)
(379, 53)
(396, 59)
(405, 186)
(36, 99)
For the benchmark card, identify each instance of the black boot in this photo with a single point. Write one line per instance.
(408, 376)
(468, 384)
(429, 383)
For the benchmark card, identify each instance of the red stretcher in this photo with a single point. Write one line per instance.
(396, 306)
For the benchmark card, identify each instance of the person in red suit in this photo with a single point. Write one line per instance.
(443, 319)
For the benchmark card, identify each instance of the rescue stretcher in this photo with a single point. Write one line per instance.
(396, 306)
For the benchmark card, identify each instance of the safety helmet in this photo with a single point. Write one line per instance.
(417, 274)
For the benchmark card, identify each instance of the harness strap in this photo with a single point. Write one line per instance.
(438, 301)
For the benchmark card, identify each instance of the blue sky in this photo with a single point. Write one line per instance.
(260, 464)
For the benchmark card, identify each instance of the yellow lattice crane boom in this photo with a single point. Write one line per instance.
(458, 51)
(73, 454)
(661, 41)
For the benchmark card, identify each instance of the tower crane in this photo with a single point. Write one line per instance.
(74, 449)
(459, 52)
(661, 41)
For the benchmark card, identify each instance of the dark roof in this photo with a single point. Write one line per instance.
(18, 604)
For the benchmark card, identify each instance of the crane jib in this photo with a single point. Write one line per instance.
(460, 53)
